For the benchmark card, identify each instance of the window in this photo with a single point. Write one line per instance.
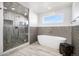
(53, 19)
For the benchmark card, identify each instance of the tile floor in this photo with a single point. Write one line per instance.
(34, 49)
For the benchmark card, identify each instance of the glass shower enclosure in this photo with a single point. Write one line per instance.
(15, 30)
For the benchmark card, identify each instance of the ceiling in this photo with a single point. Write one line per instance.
(42, 7)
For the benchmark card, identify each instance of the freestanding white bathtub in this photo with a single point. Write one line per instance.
(50, 41)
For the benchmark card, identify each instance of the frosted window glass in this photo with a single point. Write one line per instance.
(52, 19)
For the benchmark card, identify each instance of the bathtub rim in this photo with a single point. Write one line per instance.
(62, 38)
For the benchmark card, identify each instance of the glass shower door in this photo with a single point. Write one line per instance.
(15, 31)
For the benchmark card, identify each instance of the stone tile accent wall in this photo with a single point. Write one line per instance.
(75, 39)
(64, 31)
(33, 34)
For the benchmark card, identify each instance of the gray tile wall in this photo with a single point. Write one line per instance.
(56, 31)
(33, 34)
(75, 39)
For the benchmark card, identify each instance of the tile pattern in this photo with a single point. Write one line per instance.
(75, 39)
(56, 31)
(20, 9)
(13, 37)
(33, 34)
(34, 50)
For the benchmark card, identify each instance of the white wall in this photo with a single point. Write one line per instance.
(1, 28)
(66, 12)
(12, 16)
(75, 12)
(16, 18)
(75, 9)
(33, 19)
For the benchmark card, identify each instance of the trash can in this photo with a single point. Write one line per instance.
(66, 49)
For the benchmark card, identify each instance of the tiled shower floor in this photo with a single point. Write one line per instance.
(33, 50)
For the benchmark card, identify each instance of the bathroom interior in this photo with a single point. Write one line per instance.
(38, 28)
